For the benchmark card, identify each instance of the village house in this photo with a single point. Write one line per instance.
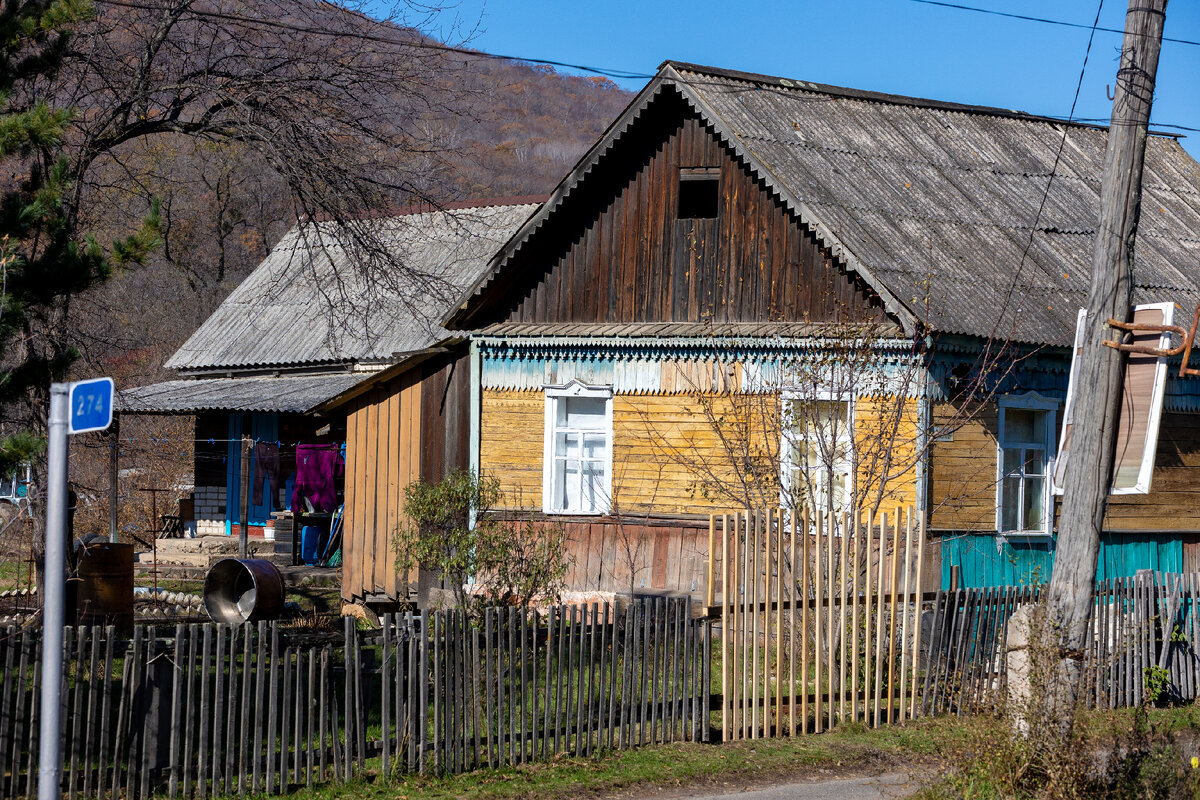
(304, 327)
(734, 236)
(752, 291)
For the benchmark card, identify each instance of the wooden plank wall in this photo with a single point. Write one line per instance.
(963, 477)
(383, 455)
(616, 251)
(630, 554)
(675, 453)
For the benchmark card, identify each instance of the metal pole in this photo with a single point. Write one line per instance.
(244, 498)
(54, 591)
(114, 437)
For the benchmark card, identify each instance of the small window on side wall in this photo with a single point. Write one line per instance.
(577, 461)
(699, 192)
(1025, 456)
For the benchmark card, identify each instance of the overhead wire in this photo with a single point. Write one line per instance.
(986, 354)
(610, 72)
(1042, 20)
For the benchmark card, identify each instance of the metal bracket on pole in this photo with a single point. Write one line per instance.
(1185, 346)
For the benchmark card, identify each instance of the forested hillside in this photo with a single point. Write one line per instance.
(490, 128)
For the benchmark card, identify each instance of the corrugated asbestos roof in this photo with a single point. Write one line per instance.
(261, 393)
(306, 303)
(933, 203)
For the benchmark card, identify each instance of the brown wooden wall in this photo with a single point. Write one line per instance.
(638, 554)
(629, 554)
(615, 250)
(412, 427)
(963, 477)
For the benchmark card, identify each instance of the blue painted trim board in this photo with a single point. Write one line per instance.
(1027, 563)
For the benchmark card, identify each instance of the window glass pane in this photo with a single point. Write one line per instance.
(592, 485)
(1034, 503)
(1010, 497)
(569, 499)
(840, 490)
(1019, 425)
(1012, 461)
(1035, 461)
(584, 412)
(593, 445)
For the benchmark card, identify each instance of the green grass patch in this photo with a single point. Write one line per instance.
(852, 748)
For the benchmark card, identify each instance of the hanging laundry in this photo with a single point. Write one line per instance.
(318, 466)
(266, 465)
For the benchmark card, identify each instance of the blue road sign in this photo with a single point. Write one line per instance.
(91, 405)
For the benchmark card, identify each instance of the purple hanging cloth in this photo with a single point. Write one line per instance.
(318, 466)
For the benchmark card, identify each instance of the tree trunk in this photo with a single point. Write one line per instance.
(1093, 438)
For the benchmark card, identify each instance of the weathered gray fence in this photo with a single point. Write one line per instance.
(1142, 638)
(207, 710)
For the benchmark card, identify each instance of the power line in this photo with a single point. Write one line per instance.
(1042, 20)
(422, 44)
(1049, 182)
(609, 72)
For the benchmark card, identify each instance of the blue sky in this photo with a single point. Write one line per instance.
(896, 46)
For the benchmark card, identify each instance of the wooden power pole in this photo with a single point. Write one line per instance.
(1093, 434)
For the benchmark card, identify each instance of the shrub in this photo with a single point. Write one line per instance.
(493, 561)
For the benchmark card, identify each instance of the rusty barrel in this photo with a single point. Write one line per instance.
(238, 590)
(104, 592)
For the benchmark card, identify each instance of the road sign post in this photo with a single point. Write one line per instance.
(74, 408)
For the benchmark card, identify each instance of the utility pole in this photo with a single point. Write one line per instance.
(1093, 435)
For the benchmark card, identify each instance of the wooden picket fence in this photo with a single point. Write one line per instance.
(1142, 633)
(819, 619)
(200, 711)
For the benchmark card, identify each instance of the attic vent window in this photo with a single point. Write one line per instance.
(699, 192)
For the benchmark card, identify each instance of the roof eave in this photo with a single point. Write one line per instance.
(459, 316)
(907, 319)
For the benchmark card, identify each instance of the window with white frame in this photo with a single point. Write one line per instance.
(818, 446)
(1024, 458)
(577, 463)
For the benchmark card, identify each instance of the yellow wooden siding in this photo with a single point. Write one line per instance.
(511, 432)
(962, 485)
(887, 448)
(675, 453)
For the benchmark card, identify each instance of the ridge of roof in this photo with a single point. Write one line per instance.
(885, 97)
(393, 212)
(669, 76)
(1012, 152)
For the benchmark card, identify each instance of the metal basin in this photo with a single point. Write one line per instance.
(243, 590)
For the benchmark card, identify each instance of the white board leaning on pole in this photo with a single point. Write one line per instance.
(1142, 395)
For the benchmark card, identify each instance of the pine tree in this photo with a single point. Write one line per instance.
(45, 260)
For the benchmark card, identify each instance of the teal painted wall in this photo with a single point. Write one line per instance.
(1019, 564)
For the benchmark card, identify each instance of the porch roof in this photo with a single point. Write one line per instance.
(287, 393)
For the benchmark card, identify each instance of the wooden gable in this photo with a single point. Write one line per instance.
(619, 250)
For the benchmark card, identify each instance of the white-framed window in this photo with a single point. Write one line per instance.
(818, 451)
(1024, 464)
(577, 462)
